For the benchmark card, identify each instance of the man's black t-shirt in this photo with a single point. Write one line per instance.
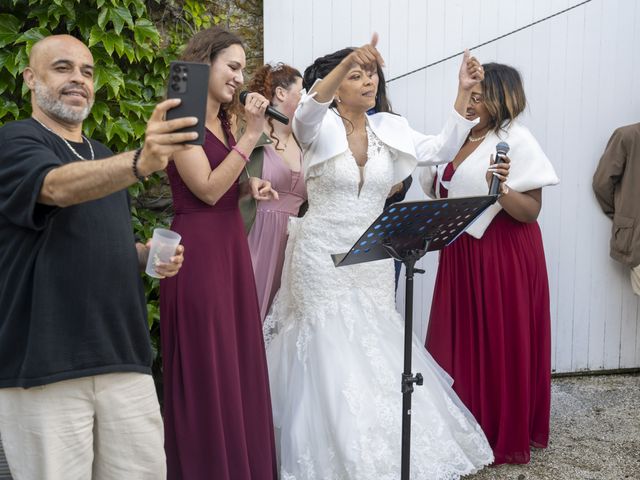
(71, 297)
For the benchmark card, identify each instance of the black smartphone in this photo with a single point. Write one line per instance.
(189, 81)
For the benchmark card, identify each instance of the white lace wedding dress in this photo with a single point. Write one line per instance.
(335, 349)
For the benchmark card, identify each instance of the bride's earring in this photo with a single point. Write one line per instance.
(338, 100)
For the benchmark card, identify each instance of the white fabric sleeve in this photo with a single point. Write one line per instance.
(443, 147)
(308, 118)
(426, 176)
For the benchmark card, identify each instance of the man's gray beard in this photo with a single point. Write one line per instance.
(53, 106)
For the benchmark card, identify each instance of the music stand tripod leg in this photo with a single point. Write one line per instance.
(409, 258)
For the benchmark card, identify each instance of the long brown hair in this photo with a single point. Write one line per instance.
(503, 94)
(267, 79)
(204, 47)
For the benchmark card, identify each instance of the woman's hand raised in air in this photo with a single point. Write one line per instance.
(471, 71)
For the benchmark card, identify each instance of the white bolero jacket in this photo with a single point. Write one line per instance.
(530, 169)
(322, 136)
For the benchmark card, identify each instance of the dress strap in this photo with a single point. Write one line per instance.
(226, 128)
(441, 182)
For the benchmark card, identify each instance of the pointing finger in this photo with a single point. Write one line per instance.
(374, 39)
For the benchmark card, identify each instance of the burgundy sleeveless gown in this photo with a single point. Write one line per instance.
(490, 329)
(217, 406)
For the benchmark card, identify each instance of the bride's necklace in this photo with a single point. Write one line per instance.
(73, 150)
(477, 139)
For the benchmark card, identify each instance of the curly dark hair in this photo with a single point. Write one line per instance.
(322, 66)
(268, 78)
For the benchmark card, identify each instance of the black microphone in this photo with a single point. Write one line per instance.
(272, 112)
(501, 150)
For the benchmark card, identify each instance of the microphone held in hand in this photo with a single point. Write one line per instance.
(502, 149)
(272, 112)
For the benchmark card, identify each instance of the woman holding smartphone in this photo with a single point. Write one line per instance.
(217, 407)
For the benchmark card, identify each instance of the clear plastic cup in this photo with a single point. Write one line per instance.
(163, 246)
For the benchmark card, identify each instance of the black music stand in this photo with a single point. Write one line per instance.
(407, 231)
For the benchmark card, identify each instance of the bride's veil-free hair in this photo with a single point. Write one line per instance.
(322, 66)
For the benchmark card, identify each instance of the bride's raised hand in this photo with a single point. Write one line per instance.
(367, 55)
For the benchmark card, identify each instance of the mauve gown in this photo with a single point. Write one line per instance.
(217, 406)
(490, 329)
(268, 236)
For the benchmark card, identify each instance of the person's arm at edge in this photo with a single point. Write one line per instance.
(608, 173)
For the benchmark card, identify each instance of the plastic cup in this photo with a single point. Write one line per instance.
(163, 246)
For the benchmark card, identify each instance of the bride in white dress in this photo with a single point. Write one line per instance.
(334, 338)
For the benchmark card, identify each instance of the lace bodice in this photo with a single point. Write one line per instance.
(340, 210)
(338, 214)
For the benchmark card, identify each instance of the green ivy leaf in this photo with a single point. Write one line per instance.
(108, 74)
(7, 80)
(84, 22)
(134, 88)
(121, 128)
(135, 107)
(140, 7)
(103, 17)
(21, 60)
(144, 30)
(134, 191)
(140, 127)
(40, 12)
(119, 44)
(153, 314)
(129, 50)
(100, 112)
(7, 60)
(8, 106)
(57, 10)
(9, 29)
(149, 93)
(95, 36)
(120, 16)
(108, 40)
(33, 35)
(89, 125)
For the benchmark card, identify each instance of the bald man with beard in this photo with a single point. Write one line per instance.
(77, 399)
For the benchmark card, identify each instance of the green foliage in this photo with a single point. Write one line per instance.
(131, 63)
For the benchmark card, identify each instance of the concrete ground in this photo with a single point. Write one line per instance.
(595, 433)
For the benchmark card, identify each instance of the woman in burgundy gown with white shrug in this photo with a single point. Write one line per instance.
(490, 319)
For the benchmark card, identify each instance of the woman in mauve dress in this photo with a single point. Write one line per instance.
(490, 319)
(217, 406)
(280, 163)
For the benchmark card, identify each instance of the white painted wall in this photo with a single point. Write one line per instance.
(582, 79)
